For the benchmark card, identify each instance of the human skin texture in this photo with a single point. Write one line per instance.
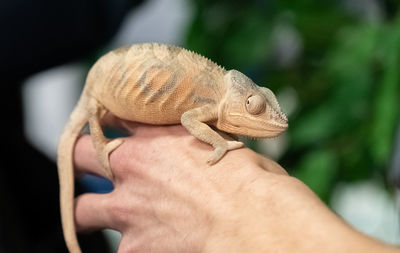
(173, 202)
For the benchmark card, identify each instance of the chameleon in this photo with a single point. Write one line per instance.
(162, 85)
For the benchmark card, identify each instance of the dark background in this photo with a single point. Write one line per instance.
(36, 35)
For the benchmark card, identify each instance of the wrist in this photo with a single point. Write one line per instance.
(238, 224)
(284, 216)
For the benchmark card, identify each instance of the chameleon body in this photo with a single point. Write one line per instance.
(160, 84)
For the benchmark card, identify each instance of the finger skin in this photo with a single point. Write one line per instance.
(91, 212)
(85, 157)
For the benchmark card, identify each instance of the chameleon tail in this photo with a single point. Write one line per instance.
(76, 122)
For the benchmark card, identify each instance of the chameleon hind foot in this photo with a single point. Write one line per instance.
(104, 156)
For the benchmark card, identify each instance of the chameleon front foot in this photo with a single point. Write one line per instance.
(220, 151)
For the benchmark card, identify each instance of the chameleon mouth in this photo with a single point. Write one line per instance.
(272, 128)
(277, 122)
(257, 129)
(266, 132)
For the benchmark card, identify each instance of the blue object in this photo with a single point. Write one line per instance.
(96, 184)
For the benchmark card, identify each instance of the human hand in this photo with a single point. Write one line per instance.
(167, 199)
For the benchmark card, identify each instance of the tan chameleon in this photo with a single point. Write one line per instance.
(160, 84)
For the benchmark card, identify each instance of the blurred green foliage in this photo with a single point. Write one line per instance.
(342, 58)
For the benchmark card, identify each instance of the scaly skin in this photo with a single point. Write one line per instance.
(159, 84)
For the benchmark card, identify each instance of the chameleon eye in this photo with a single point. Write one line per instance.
(255, 104)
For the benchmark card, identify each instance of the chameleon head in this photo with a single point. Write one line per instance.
(248, 109)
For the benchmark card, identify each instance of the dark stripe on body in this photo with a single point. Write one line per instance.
(167, 88)
(201, 100)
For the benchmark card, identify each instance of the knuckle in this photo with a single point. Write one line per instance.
(126, 208)
(120, 212)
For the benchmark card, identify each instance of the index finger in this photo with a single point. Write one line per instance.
(85, 157)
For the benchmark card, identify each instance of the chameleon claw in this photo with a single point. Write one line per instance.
(219, 152)
(234, 144)
(112, 145)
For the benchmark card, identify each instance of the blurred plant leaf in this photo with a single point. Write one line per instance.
(385, 112)
(318, 170)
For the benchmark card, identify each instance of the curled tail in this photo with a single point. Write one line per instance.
(72, 130)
